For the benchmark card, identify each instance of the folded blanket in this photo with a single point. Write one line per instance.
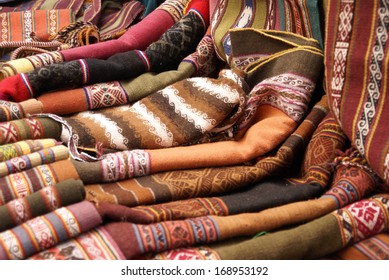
(24, 183)
(301, 17)
(26, 147)
(45, 156)
(48, 230)
(96, 244)
(372, 248)
(316, 239)
(46, 200)
(29, 129)
(260, 196)
(179, 114)
(207, 182)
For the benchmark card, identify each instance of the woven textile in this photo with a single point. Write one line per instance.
(373, 248)
(18, 26)
(46, 200)
(327, 234)
(114, 167)
(138, 37)
(24, 183)
(224, 147)
(25, 162)
(23, 65)
(28, 129)
(257, 197)
(96, 244)
(26, 147)
(179, 114)
(314, 239)
(200, 63)
(48, 230)
(356, 76)
(10, 111)
(165, 54)
(191, 183)
(299, 17)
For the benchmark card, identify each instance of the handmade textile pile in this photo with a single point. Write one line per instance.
(196, 129)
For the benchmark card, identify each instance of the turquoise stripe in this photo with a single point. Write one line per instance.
(281, 9)
(314, 12)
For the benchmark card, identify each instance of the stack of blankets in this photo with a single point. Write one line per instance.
(194, 130)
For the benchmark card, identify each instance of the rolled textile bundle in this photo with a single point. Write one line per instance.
(29, 129)
(200, 63)
(138, 37)
(162, 55)
(24, 183)
(25, 147)
(44, 156)
(48, 230)
(46, 200)
(14, 111)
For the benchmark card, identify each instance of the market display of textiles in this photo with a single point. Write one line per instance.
(194, 130)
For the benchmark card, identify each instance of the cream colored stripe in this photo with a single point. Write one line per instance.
(112, 130)
(156, 126)
(199, 119)
(220, 90)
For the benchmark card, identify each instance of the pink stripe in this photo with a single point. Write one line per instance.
(86, 215)
(85, 71)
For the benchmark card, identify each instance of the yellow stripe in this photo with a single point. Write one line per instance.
(266, 60)
(157, 215)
